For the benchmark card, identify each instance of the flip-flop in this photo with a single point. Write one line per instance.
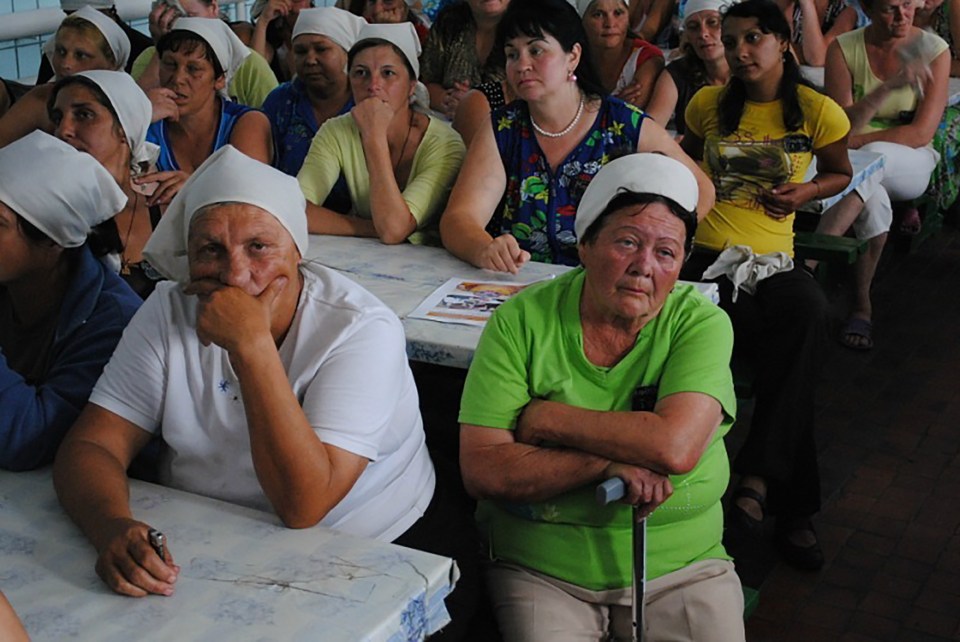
(910, 223)
(859, 328)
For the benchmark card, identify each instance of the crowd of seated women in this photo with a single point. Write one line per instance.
(538, 130)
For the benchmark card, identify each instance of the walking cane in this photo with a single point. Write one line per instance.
(610, 491)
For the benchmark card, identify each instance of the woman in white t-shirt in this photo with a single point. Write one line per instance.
(273, 384)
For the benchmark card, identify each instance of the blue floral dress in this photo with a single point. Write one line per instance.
(540, 205)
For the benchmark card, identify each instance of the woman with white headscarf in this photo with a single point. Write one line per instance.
(273, 384)
(702, 63)
(62, 311)
(296, 109)
(86, 39)
(398, 161)
(627, 64)
(198, 57)
(105, 114)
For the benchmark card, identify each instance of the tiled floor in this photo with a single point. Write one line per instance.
(889, 437)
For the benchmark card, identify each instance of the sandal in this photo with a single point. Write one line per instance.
(741, 520)
(804, 557)
(910, 223)
(857, 334)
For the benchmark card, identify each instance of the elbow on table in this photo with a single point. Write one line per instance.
(297, 517)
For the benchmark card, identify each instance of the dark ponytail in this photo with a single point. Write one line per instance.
(770, 19)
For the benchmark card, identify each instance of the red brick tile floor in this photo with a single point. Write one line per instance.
(888, 434)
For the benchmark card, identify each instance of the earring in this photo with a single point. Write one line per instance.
(572, 77)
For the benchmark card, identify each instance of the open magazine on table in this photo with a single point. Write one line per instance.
(467, 301)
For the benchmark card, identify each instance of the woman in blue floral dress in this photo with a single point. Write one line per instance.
(517, 193)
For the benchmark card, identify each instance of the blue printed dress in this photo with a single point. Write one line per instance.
(540, 205)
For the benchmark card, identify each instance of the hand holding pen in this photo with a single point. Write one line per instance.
(134, 559)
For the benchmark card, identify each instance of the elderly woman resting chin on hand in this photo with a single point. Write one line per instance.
(613, 369)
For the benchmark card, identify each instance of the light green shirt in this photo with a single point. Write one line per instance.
(336, 150)
(532, 347)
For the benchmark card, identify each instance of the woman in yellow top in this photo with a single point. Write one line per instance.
(756, 137)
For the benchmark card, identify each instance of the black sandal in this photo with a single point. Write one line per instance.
(740, 519)
(805, 558)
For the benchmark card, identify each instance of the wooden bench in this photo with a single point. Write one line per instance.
(823, 247)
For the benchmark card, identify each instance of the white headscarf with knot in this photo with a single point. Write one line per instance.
(582, 5)
(227, 47)
(133, 110)
(77, 192)
(116, 39)
(338, 25)
(642, 173)
(404, 37)
(695, 6)
(227, 176)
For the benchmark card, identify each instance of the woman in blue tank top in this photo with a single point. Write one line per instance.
(197, 58)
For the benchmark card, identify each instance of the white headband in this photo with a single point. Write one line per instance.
(133, 110)
(582, 5)
(227, 176)
(338, 25)
(227, 47)
(116, 39)
(76, 193)
(641, 174)
(695, 6)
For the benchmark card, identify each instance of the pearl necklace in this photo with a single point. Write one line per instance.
(563, 132)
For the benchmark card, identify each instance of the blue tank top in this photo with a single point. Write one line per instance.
(539, 205)
(230, 113)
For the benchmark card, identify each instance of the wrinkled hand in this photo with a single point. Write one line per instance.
(274, 9)
(503, 254)
(644, 488)
(373, 117)
(129, 565)
(229, 317)
(163, 104)
(914, 72)
(784, 199)
(168, 184)
(452, 98)
(161, 20)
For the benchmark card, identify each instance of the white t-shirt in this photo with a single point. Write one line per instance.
(344, 356)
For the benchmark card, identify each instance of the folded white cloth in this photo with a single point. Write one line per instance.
(745, 269)
(61, 191)
(336, 24)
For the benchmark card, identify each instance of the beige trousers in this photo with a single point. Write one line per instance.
(703, 601)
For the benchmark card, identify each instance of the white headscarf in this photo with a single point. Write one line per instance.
(73, 5)
(227, 176)
(582, 5)
(133, 110)
(404, 37)
(338, 25)
(642, 173)
(116, 39)
(77, 192)
(694, 6)
(227, 47)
